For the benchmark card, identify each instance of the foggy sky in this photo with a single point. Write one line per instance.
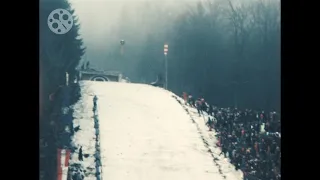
(105, 22)
(102, 26)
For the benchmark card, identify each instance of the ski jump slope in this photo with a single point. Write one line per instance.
(145, 134)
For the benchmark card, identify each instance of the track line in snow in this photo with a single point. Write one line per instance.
(223, 164)
(202, 137)
(86, 121)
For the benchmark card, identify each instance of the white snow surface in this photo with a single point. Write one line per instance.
(83, 116)
(145, 134)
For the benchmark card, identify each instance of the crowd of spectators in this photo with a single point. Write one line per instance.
(250, 139)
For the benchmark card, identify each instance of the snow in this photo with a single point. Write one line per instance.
(145, 134)
(83, 117)
(227, 168)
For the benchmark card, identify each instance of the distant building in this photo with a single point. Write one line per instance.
(96, 75)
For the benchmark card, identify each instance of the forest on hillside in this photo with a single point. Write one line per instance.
(226, 52)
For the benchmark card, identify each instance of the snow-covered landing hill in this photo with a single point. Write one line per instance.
(145, 134)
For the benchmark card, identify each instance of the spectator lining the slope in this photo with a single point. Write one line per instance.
(185, 97)
(210, 123)
(191, 101)
(199, 106)
(204, 105)
(95, 98)
(210, 110)
(80, 155)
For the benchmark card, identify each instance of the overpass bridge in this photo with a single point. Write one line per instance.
(100, 75)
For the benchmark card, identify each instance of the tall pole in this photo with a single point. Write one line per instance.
(166, 61)
(85, 57)
(67, 78)
(166, 47)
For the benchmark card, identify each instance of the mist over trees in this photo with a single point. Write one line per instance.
(225, 51)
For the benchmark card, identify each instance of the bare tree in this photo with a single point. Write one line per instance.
(265, 37)
(239, 19)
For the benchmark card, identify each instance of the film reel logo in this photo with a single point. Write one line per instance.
(60, 21)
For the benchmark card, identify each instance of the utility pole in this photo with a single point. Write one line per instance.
(166, 61)
(166, 47)
(67, 78)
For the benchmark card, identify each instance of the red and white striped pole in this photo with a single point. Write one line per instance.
(63, 156)
(165, 50)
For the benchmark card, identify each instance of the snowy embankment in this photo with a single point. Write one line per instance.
(145, 134)
(86, 135)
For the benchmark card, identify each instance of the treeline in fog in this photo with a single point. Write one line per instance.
(225, 51)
